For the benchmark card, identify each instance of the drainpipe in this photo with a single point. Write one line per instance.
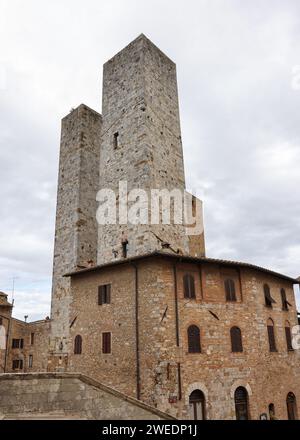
(138, 378)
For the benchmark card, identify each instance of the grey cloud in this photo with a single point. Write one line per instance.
(239, 113)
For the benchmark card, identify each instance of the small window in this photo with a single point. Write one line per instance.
(241, 403)
(194, 345)
(230, 290)
(78, 345)
(124, 248)
(236, 340)
(17, 364)
(30, 361)
(104, 294)
(284, 301)
(189, 286)
(268, 298)
(116, 140)
(271, 335)
(32, 339)
(106, 343)
(17, 343)
(288, 336)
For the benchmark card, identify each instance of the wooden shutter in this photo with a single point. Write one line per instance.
(194, 345)
(100, 295)
(106, 343)
(268, 298)
(288, 337)
(236, 340)
(189, 286)
(108, 290)
(230, 290)
(271, 336)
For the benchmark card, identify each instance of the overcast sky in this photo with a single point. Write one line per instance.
(240, 114)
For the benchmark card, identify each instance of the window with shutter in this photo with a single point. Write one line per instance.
(106, 342)
(189, 286)
(104, 294)
(288, 337)
(236, 340)
(230, 290)
(284, 301)
(194, 345)
(78, 345)
(271, 335)
(269, 301)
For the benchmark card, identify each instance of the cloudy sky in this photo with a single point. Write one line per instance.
(238, 70)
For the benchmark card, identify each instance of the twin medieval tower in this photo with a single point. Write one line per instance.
(137, 139)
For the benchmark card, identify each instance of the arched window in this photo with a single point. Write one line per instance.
(291, 406)
(189, 286)
(268, 298)
(78, 345)
(271, 335)
(284, 301)
(194, 345)
(288, 336)
(197, 405)
(230, 290)
(236, 340)
(272, 411)
(241, 403)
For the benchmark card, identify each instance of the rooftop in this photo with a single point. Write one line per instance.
(183, 259)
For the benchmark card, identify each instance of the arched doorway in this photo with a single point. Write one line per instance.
(241, 404)
(197, 405)
(272, 411)
(291, 406)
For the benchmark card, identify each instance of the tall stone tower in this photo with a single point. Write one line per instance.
(141, 144)
(76, 227)
(136, 140)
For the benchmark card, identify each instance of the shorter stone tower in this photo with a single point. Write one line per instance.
(76, 226)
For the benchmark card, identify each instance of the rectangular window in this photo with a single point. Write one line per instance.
(17, 364)
(116, 140)
(32, 339)
(106, 343)
(104, 294)
(17, 343)
(30, 361)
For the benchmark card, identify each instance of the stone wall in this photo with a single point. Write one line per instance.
(76, 226)
(67, 396)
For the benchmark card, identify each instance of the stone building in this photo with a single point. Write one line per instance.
(139, 307)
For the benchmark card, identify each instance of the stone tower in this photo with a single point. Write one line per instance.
(136, 140)
(76, 228)
(141, 144)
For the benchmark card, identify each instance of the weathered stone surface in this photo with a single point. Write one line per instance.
(96, 401)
